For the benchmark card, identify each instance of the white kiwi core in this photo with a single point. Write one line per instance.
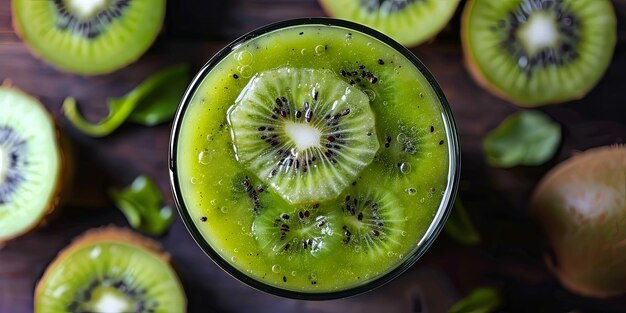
(304, 136)
(86, 8)
(539, 32)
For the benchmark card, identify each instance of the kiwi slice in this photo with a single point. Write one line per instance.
(88, 37)
(305, 132)
(373, 221)
(110, 270)
(303, 232)
(410, 22)
(537, 52)
(32, 165)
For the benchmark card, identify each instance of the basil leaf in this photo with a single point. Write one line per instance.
(118, 113)
(152, 102)
(141, 203)
(159, 102)
(459, 226)
(481, 300)
(525, 138)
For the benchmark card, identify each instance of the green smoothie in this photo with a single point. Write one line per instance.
(313, 158)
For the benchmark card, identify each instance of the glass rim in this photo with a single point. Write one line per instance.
(436, 225)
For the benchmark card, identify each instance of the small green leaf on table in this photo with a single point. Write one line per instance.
(153, 102)
(459, 226)
(142, 204)
(481, 300)
(526, 138)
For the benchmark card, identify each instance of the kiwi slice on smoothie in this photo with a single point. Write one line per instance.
(305, 132)
(305, 231)
(33, 166)
(88, 37)
(110, 270)
(373, 221)
(410, 22)
(537, 52)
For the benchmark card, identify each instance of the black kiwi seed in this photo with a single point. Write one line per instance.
(358, 76)
(387, 141)
(203, 219)
(381, 62)
(235, 76)
(252, 194)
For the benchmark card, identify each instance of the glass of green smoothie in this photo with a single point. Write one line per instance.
(314, 159)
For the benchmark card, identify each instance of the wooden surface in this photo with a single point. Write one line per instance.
(509, 256)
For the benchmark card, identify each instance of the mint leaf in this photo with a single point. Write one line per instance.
(481, 300)
(141, 203)
(459, 226)
(152, 102)
(525, 138)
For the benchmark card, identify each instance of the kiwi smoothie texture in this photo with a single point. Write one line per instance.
(313, 158)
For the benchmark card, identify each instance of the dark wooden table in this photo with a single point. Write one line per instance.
(509, 257)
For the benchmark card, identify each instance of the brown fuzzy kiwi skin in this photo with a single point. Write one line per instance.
(586, 255)
(482, 81)
(35, 53)
(101, 235)
(66, 173)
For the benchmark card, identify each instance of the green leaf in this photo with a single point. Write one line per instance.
(459, 226)
(481, 300)
(152, 102)
(141, 203)
(159, 102)
(525, 138)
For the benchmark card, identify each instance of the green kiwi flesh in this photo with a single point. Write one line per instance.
(88, 36)
(537, 52)
(410, 22)
(110, 270)
(31, 163)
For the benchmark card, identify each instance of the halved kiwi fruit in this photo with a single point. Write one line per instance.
(33, 166)
(88, 37)
(304, 132)
(410, 22)
(110, 270)
(537, 52)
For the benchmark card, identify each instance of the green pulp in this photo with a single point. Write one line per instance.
(407, 110)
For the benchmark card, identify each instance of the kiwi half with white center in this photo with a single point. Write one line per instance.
(304, 132)
(373, 221)
(303, 232)
(410, 22)
(110, 270)
(89, 36)
(32, 164)
(537, 52)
